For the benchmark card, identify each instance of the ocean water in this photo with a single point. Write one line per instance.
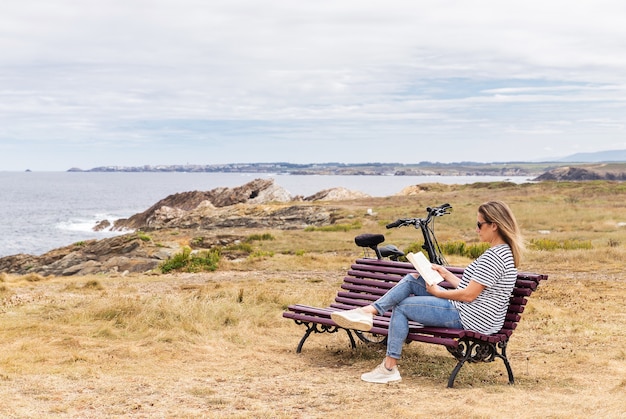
(42, 211)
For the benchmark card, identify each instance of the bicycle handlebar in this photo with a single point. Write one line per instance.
(439, 211)
(397, 223)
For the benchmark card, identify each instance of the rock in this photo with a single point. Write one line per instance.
(83, 268)
(255, 216)
(336, 194)
(11, 264)
(127, 252)
(422, 188)
(174, 206)
(102, 225)
(270, 193)
(206, 209)
(164, 215)
(208, 242)
(130, 264)
(590, 172)
(569, 173)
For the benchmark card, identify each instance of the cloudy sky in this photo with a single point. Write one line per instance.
(87, 83)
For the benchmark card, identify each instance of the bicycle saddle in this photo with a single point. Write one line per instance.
(390, 251)
(369, 240)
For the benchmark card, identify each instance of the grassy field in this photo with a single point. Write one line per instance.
(214, 344)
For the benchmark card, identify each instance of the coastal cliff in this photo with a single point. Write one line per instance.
(606, 171)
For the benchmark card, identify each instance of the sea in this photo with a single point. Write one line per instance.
(42, 211)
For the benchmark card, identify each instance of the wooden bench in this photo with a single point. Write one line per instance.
(368, 279)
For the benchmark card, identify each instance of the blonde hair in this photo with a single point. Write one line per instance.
(499, 213)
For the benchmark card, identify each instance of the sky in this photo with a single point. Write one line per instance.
(90, 83)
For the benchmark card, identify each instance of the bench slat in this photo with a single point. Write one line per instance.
(512, 317)
(378, 284)
(522, 292)
(518, 301)
(381, 276)
(382, 282)
(358, 302)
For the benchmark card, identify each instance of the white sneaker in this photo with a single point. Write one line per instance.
(353, 319)
(382, 375)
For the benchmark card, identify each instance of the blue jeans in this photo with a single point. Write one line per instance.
(409, 300)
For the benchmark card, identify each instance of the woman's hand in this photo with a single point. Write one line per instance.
(433, 290)
(447, 275)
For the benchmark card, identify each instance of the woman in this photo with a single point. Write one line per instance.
(478, 301)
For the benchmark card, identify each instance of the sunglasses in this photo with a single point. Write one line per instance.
(479, 224)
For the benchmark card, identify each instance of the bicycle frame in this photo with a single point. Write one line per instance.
(426, 226)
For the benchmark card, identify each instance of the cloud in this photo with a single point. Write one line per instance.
(118, 76)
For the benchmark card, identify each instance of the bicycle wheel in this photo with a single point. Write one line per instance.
(371, 338)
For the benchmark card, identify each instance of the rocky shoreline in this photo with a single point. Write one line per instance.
(260, 204)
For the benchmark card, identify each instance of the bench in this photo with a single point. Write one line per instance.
(368, 279)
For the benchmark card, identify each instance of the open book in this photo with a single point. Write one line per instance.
(424, 267)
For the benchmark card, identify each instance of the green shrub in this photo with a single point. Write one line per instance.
(549, 244)
(454, 248)
(475, 250)
(413, 248)
(143, 236)
(259, 254)
(204, 261)
(259, 237)
(176, 262)
(458, 247)
(544, 244)
(241, 247)
(186, 261)
(197, 241)
(336, 227)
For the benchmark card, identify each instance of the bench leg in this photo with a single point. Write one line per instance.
(507, 364)
(304, 338)
(470, 350)
(456, 370)
(352, 342)
(321, 328)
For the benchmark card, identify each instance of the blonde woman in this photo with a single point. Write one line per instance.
(478, 301)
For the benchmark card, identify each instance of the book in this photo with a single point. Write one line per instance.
(424, 267)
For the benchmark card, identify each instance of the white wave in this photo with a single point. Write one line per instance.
(85, 225)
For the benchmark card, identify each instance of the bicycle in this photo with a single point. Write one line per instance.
(426, 226)
(431, 246)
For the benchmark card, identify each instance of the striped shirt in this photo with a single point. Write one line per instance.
(495, 269)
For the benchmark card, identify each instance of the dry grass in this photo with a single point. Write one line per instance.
(215, 344)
